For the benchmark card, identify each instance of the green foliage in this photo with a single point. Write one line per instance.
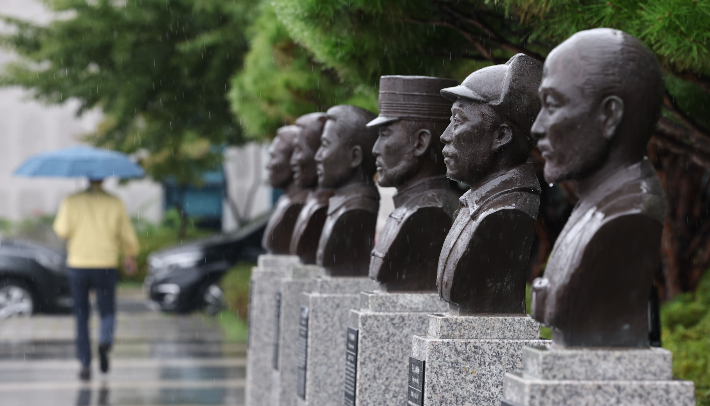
(364, 39)
(676, 30)
(157, 69)
(686, 332)
(235, 284)
(281, 81)
(153, 237)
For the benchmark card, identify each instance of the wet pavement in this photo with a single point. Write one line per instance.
(157, 359)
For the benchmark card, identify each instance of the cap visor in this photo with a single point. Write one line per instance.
(381, 121)
(453, 93)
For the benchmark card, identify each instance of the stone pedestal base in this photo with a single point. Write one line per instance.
(580, 377)
(301, 278)
(262, 324)
(329, 305)
(465, 358)
(386, 323)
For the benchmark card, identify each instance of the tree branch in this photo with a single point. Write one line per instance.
(671, 106)
(702, 81)
(670, 142)
(476, 43)
(494, 36)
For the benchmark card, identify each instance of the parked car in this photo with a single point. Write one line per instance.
(186, 278)
(32, 278)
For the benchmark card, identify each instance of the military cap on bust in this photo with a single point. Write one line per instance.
(415, 98)
(505, 87)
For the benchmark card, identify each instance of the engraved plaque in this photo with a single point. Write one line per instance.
(350, 366)
(415, 391)
(302, 352)
(277, 329)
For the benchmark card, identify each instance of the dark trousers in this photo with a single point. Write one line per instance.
(103, 281)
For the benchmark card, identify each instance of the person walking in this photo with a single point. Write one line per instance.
(97, 229)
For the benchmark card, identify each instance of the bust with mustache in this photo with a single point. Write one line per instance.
(601, 93)
(413, 114)
(485, 255)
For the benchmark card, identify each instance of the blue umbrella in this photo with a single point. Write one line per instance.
(85, 162)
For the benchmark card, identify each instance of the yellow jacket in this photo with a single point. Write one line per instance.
(96, 227)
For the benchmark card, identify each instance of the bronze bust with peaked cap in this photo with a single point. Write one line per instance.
(306, 232)
(277, 236)
(601, 95)
(408, 157)
(484, 258)
(345, 163)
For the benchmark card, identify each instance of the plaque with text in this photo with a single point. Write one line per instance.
(277, 329)
(350, 366)
(415, 391)
(302, 353)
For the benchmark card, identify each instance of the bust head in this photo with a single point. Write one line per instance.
(280, 173)
(307, 143)
(345, 154)
(490, 120)
(601, 94)
(412, 117)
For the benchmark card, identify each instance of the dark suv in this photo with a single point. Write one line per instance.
(32, 278)
(185, 278)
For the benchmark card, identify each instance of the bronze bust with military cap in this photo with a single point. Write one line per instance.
(344, 163)
(484, 258)
(408, 157)
(306, 232)
(277, 236)
(601, 93)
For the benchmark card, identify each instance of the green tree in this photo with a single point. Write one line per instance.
(282, 81)
(363, 39)
(157, 69)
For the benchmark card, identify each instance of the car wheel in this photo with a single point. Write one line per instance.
(213, 299)
(15, 300)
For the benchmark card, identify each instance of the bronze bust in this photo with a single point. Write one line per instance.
(306, 232)
(601, 95)
(277, 236)
(484, 259)
(408, 157)
(345, 163)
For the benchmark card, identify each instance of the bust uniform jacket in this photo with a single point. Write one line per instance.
(596, 285)
(277, 235)
(485, 255)
(306, 232)
(407, 249)
(349, 231)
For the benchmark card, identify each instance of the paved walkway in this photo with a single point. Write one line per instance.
(158, 359)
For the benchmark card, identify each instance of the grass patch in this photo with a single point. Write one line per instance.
(685, 332)
(234, 319)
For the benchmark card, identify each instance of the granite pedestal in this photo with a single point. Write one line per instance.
(300, 278)
(462, 359)
(385, 324)
(321, 376)
(581, 377)
(263, 287)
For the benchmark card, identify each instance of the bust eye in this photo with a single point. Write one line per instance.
(550, 102)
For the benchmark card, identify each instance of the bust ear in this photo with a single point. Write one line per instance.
(356, 156)
(612, 112)
(422, 142)
(503, 135)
